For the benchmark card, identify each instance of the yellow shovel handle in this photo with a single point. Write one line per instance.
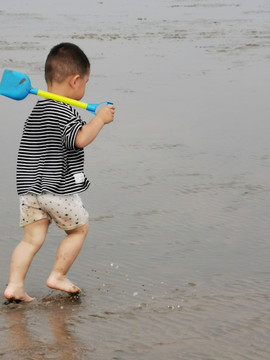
(60, 98)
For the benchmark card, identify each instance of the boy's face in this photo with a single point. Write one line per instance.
(79, 88)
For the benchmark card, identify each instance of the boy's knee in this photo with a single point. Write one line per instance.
(84, 228)
(80, 230)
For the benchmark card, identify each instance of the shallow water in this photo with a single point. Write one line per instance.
(176, 264)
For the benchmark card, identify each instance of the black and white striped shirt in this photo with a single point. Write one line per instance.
(48, 159)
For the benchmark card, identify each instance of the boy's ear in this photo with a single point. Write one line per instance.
(73, 80)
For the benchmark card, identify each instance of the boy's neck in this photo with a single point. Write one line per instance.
(59, 89)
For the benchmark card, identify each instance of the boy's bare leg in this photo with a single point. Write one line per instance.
(33, 237)
(66, 254)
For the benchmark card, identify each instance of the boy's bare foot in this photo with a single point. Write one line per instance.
(63, 284)
(16, 293)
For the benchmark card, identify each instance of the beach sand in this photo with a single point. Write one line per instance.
(176, 264)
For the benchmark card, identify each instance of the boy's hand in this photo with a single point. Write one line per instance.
(106, 114)
(89, 131)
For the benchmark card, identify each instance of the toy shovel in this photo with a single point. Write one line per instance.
(17, 86)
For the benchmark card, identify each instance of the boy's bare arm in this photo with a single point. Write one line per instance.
(89, 131)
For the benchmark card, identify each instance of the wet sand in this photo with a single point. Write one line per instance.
(176, 264)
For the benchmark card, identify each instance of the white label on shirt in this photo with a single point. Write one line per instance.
(79, 178)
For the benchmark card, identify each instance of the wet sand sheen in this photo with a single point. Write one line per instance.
(176, 261)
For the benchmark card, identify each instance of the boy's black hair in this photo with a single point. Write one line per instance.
(65, 59)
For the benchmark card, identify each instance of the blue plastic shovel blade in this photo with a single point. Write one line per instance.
(15, 85)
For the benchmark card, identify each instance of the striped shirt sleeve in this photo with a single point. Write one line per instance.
(70, 132)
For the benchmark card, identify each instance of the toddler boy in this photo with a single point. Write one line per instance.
(50, 171)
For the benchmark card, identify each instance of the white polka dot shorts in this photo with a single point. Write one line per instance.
(67, 211)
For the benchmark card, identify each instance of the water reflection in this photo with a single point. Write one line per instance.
(43, 330)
